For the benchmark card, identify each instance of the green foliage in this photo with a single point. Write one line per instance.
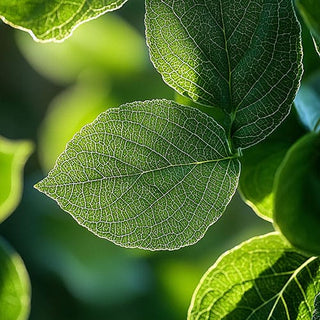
(53, 20)
(229, 54)
(316, 314)
(14, 284)
(297, 201)
(13, 155)
(264, 278)
(310, 10)
(153, 175)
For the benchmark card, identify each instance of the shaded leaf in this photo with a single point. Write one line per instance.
(241, 56)
(297, 189)
(316, 313)
(307, 103)
(53, 20)
(263, 278)
(13, 156)
(310, 11)
(152, 174)
(14, 284)
(260, 163)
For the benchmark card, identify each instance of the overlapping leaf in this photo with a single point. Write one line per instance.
(241, 56)
(14, 283)
(310, 10)
(297, 190)
(264, 278)
(13, 155)
(152, 174)
(53, 20)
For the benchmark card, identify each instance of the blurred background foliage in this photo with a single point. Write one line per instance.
(47, 93)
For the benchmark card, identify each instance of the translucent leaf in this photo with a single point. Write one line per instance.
(53, 20)
(115, 50)
(14, 283)
(297, 190)
(263, 278)
(241, 56)
(310, 11)
(152, 174)
(260, 163)
(307, 103)
(13, 155)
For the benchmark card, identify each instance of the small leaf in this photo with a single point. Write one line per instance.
(260, 163)
(15, 285)
(241, 56)
(307, 103)
(297, 190)
(262, 279)
(316, 313)
(310, 11)
(53, 20)
(13, 156)
(153, 175)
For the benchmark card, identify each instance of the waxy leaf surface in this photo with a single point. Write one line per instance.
(241, 56)
(53, 20)
(15, 285)
(152, 175)
(263, 278)
(297, 190)
(13, 155)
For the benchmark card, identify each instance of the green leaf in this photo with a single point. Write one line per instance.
(316, 313)
(297, 189)
(14, 284)
(116, 50)
(310, 11)
(13, 156)
(307, 103)
(262, 279)
(53, 20)
(241, 56)
(153, 175)
(260, 163)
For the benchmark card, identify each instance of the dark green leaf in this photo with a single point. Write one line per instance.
(316, 313)
(14, 285)
(241, 56)
(297, 190)
(310, 11)
(262, 279)
(53, 20)
(152, 174)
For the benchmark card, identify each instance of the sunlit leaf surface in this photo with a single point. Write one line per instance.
(241, 56)
(53, 20)
(14, 284)
(297, 190)
(263, 278)
(152, 174)
(13, 155)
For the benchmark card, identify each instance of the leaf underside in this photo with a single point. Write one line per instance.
(264, 278)
(241, 56)
(153, 175)
(53, 20)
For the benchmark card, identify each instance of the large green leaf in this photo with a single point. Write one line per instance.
(241, 56)
(310, 11)
(53, 20)
(262, 279)
(260, 163)
(316, 314)
(152, 174)
(14, 285)
(13, 155)
(297, 190)
(307, 103)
